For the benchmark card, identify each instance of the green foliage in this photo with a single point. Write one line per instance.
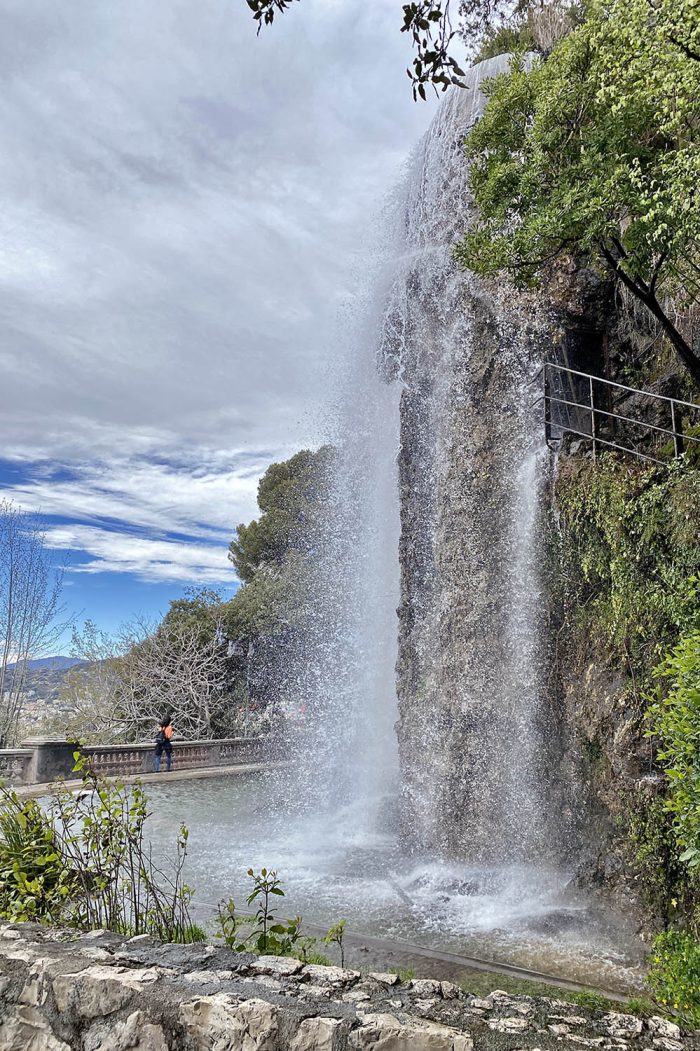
(84, 863)
(630, 549)
(335, 936)
(34, 877)
(664, 880)
(675, 974)
(404, 974)
(270, 603)
(597, 150)
(593, 1001)
(506, 40)
(199, 610)
(290, 495)
(674, 718)
(263, 932)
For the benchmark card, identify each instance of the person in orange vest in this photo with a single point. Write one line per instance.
(164, 744)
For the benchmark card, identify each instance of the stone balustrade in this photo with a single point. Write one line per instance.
(15, 765)
(41, 760)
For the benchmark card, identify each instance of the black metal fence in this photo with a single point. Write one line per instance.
(653, 427)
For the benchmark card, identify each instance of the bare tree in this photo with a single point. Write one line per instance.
(141, 674)
(30, 610)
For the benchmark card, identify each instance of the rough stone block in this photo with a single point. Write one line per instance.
(219, 1023)
(99, 990)
(317, 1034)
(135, 1034)
(281, 966)
(28, 1030)
(329, 975)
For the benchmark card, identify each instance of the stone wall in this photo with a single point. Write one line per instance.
(60, 991)
(43, 759)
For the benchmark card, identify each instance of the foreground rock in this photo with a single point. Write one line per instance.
(96, 992)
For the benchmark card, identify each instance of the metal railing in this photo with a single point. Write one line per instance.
(582, 404)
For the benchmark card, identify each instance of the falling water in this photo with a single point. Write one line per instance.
(442, 833)
(474, 755)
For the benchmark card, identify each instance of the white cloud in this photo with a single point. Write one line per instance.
(148, 559)
(179, 239)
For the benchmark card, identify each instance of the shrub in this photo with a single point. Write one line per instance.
(674, 718)
(675, 974)
(84, 862)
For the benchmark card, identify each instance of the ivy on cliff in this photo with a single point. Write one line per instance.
(675, 720)
(630, 552)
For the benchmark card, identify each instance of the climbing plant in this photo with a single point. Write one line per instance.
(630, 551)
(674, 718)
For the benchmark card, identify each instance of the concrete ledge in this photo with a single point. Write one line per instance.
(47, 789)
(97, 992)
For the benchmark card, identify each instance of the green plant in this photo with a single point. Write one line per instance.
(405, 974)
(595, 152)
(675, 974)
(84, 862)
(674, 718)
(34, 877)
(641, 1007)
(593, 1001)
(263, 932)
(664, 879)
(335, 936)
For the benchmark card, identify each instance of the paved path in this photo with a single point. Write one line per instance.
(34, 791)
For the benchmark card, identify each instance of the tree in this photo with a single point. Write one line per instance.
(132, 679)
(597, 151)
(289, 496)
(30, 610)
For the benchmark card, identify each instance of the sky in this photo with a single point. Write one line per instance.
(182, 207)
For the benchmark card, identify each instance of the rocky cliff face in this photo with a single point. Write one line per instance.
(477, 738)
(513, 746)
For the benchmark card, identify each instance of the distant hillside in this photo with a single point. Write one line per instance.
(51, 664)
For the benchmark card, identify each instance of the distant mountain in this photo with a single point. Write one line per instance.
(51, 664)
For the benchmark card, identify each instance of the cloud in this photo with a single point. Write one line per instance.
(180, 245)
(205, 498)
(148, 559)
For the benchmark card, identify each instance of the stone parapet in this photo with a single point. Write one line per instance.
(60, 991)
(41, 760)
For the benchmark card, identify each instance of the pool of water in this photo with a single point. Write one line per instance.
(344, 863)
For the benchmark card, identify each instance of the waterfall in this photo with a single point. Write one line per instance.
(434, 509)
(474, 748)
